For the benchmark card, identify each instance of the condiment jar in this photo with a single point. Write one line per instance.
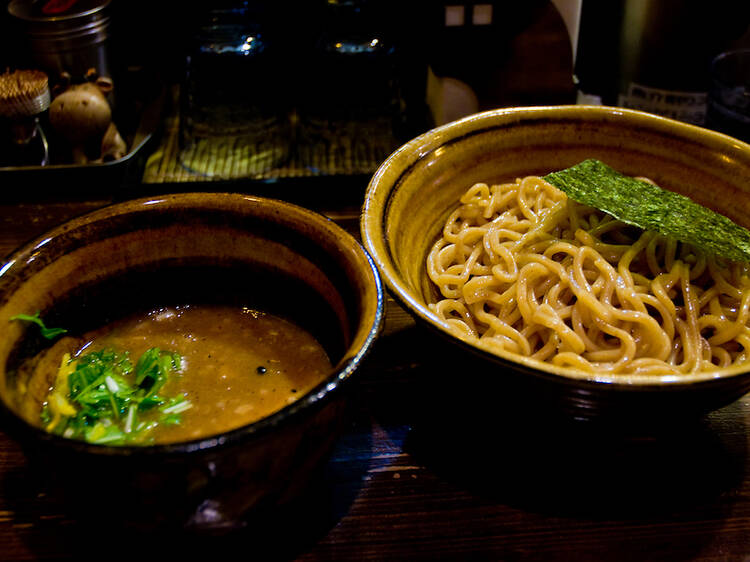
(24, 100)
(63, 37)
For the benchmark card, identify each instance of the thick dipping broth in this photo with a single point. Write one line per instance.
(236, 365)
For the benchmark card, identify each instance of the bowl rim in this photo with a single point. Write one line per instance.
(378, 197)
(339, 376)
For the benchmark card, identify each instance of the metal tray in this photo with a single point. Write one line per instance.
(143, 100)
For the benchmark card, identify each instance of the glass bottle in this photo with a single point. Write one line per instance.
(234, 103)
(653, 55)
(351, 96)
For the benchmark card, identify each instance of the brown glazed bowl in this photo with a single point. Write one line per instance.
(414, 190)
(225, 248)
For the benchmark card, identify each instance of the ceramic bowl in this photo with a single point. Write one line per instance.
(414, 190)
(222, 247)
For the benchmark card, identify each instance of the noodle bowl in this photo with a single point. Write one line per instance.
(523, 269)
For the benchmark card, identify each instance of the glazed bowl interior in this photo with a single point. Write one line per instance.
(413, 192)
(181, 249)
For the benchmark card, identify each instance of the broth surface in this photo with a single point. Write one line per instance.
(238, 365)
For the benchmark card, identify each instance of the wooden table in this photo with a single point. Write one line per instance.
(414, 479)
(429, 472)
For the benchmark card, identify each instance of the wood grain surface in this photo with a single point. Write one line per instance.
(429, 470)
(430, 467)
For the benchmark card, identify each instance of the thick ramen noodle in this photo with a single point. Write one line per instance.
(523, 269)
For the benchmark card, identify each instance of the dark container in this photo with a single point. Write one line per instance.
(64, 37)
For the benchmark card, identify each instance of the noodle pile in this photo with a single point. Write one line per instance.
(522, 268)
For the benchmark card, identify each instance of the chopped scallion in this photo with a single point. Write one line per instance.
(48, 333)
(99, 397)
